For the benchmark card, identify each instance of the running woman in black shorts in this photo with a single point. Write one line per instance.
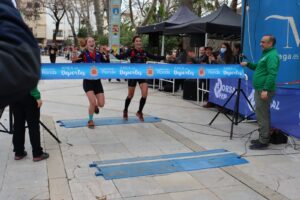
(137, 55)
(93, 88)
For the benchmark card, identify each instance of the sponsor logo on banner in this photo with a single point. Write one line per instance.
(275, 105)
(291, 26)
(182, 71)
(108, 71)
(214, 72)
(201, 72)
(49, 71)
(165, 71)
(130, 71)
(94, 71)
(223, 91)
(150, 71)
(71, 71)
(228, 71)
(251, 99)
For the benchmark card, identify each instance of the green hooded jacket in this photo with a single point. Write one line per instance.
(265, 71)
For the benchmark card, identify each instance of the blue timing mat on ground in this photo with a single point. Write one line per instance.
(75, 123)
(143, 166)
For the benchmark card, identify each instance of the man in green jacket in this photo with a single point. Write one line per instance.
(264, 83)
(27, 109)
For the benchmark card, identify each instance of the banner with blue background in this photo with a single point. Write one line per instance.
(281, 19)
(139, 71)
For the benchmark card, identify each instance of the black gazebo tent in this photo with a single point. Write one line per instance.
(222, 21)
(182, 16)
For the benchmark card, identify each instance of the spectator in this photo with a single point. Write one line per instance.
(225, 56)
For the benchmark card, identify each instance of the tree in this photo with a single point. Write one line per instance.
(150, 13)
(217, 4)
(83, 8)
(99, 17)
(188, 3)
(233, 5)
(56, 9)
(71, 15)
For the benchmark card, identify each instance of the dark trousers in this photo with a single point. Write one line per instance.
(26, 110)
(52, 58)
(263, 116)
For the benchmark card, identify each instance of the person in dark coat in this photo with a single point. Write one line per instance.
(19, 56)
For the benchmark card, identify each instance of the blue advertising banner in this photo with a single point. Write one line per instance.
(281, 19)
(139, 71)
(285, 107)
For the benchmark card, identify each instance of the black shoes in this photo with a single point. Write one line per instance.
(257, 145)
(125, 115)
(254, 141)
(19, 157)
(140, 116)
(41, 157)
(96, 110)
(35, 159)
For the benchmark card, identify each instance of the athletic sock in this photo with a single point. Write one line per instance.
(142, 104)
(127, 102)
(91, 117)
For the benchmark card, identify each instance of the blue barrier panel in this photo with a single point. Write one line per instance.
(75, 123)
(285, 107)
(133, 167)
(139, 71)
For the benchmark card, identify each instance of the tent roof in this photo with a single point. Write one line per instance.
(223, 20)
(181, 16)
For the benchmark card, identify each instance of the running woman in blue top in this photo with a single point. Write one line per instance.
(93, 88)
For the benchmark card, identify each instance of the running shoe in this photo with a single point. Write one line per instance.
(91, 124)
(140, 116)
(125, 115)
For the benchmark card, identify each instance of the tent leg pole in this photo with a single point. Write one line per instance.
(206, 38)
(163, 46)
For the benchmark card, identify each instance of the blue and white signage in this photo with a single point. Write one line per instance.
(281, 19)
(139, 71)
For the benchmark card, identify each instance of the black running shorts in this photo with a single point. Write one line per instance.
(93, 85)
(132, 82)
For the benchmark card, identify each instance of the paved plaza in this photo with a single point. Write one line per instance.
(270, 174)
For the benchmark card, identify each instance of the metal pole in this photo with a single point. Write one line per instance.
(162, 46)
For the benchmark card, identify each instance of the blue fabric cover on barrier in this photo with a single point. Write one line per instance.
(133, 167)
(75, 123)
(285, 107)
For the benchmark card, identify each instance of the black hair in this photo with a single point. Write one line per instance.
(134, 38)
